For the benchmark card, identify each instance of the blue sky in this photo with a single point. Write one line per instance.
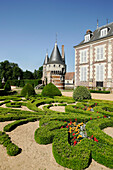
(28, 28)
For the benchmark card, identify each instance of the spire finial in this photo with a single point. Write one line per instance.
(97, 23)
(56, 37)
(47, 51)
(107, 21)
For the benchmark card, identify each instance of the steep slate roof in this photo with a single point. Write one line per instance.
(69, 75)
(46, 59)
(96, 34)
(55, 57)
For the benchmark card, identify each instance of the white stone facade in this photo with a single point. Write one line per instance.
(94, 61)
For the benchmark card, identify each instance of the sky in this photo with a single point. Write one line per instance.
(28, 28)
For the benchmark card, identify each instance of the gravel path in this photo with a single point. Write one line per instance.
(33, 156)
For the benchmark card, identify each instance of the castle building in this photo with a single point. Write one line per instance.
(94, 58)
(54, 68)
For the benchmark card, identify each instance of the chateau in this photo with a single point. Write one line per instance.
(54, 68)
(94, 58)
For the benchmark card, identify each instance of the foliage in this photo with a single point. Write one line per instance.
(98, 91)
(38, 73)
(9, 70)
(81, 93)
(28, 90)
(7, 86)
(27, 75)
(51, 90)
(12, 149)
(12, 126)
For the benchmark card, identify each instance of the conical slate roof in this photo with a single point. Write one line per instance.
(55, 57)
(46, 59)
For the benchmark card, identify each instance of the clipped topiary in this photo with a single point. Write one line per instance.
(7, 86)
(28, 90)
(81, 93)
(51, 90)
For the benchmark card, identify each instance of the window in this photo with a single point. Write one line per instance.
(100, 53)
(83, 56)
(103, 32)
(54, 65)
(99, 72)
(83, 74)
(87, 38)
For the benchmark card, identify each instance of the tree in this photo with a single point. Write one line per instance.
(17, 72)
(28, 75)
(38, 73)
(9, 70)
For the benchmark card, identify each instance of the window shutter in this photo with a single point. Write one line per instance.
(101, 72)
(101, 53)
(97, 72)
(85, 76)
(84, 56)
(81, 75)
(97, 53)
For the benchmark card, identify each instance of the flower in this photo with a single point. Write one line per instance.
(92, 136)
(97, 116)
(61, 126)
(90, 118)
(76, 120)
(97, 111)
(104, 116)
(95, 139)
(70, 119)
(75, 142)
(66, 126)
(73, 134)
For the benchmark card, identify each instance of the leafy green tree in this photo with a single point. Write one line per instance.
(17, 72)
(38, 73)
(28, 75)
(9, 70)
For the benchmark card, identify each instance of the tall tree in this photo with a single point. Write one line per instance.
(28, 75)
(38, 73)
(9, 70)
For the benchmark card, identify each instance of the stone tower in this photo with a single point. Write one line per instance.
(54, 68)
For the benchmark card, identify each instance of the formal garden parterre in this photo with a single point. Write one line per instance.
(76, 134)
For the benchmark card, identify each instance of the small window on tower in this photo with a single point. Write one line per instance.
(54, 65)
(59, 65)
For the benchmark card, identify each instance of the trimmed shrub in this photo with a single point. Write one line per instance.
(77, 157)
(28, 90)
(98, 91)
(7, 86)
(51, 90)
(81, 93)
(45, 135)
(13, 149)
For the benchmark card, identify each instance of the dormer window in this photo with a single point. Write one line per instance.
(103, 32)
(87, 37)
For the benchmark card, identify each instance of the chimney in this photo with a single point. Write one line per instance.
(63, 58)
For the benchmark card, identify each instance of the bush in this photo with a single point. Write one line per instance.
(81, 93)
(51, 90)
(98, 91)
(12, 149)
(7, 86)
(28, 90)
(76, 157)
